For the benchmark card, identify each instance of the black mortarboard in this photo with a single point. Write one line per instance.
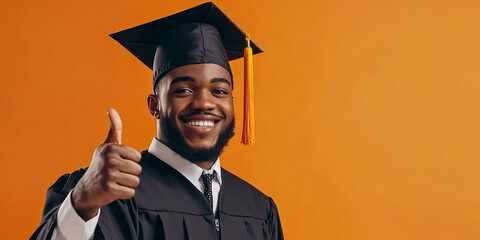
(202, 34)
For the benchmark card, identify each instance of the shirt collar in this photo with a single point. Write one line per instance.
(189, 170)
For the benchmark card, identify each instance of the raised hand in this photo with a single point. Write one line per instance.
(113, 173)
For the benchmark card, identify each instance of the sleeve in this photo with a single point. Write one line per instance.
(56, 195)
(70, 225)
(118, 219)
(274, 225)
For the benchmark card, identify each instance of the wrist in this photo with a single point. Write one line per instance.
(84, 209)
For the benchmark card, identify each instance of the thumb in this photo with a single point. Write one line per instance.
(115, 132)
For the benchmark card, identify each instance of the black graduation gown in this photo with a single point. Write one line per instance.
(167, 206)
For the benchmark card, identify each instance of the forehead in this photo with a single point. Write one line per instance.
(203, 71)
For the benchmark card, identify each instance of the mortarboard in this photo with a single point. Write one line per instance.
(202, 34)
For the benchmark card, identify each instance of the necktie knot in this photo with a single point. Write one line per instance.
(208, 177)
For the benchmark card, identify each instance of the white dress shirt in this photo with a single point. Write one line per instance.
(188, 169)
(70, 226)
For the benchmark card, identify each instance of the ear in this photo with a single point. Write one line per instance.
(153, 105)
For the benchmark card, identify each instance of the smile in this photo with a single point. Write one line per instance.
(204, 123)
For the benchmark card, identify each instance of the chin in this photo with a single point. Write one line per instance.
(200, 144)
(195, 149)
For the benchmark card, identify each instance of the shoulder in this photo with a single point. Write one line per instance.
(233, 181)
(243, 199)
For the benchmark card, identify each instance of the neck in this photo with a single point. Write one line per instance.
(205, 165)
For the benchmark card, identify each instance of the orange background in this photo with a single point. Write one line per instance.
(368, 111)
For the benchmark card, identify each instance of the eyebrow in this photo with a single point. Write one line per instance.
(190, 79)
(182, 79)
(220, 80)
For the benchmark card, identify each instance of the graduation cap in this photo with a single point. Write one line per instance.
(202, 34)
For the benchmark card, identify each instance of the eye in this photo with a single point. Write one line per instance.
(219, 92)
(182, 92)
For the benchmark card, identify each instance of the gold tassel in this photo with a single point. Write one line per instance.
(248, 134)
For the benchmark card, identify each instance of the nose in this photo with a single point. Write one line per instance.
(203, 101)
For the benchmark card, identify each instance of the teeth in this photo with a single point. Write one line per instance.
(201, 123)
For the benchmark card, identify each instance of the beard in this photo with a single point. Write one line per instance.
(175, 141)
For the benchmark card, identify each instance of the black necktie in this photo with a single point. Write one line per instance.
(207, 180)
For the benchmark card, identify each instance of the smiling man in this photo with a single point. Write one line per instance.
(176, 189)
(194, 106)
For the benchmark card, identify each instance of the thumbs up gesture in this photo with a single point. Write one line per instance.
(113, 173)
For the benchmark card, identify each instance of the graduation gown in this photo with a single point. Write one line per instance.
(167, 206)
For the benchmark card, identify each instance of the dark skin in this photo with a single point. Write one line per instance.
(197, 99)
(195, 93)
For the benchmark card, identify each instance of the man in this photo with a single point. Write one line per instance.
(176, 189)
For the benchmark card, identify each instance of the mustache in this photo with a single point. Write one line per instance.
(199, 113)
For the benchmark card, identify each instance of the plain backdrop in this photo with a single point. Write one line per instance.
(368, 111)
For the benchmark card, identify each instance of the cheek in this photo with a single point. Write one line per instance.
(228, 108)
(174, 106)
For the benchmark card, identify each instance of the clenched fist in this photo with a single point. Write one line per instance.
(113, 173)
